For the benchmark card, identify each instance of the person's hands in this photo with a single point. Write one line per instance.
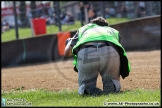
(68, 48)
(68, 40)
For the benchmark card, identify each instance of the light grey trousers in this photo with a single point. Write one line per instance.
(92, 61)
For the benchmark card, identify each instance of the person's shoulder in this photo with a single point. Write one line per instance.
(84, 27)
(111, 28)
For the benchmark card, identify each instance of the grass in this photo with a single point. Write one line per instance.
(50, 29)
(44, 97)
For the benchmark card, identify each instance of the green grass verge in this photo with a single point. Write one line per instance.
(51, 29)
(44, 97)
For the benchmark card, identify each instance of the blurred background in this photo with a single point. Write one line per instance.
(67, 15)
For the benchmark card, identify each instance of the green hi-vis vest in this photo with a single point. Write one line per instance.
(93, 32)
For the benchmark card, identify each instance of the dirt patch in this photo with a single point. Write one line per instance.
(145, 73)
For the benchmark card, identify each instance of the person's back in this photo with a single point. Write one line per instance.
(92, 14)
(69, 19)
(112, 12)
(82, 5)
(142, 9)
(97, 49)
(123, 10)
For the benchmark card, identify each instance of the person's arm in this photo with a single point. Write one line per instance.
(68, 50)
(69, 46)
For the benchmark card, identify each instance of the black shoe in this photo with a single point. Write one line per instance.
(108, 86)
(95, 92)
